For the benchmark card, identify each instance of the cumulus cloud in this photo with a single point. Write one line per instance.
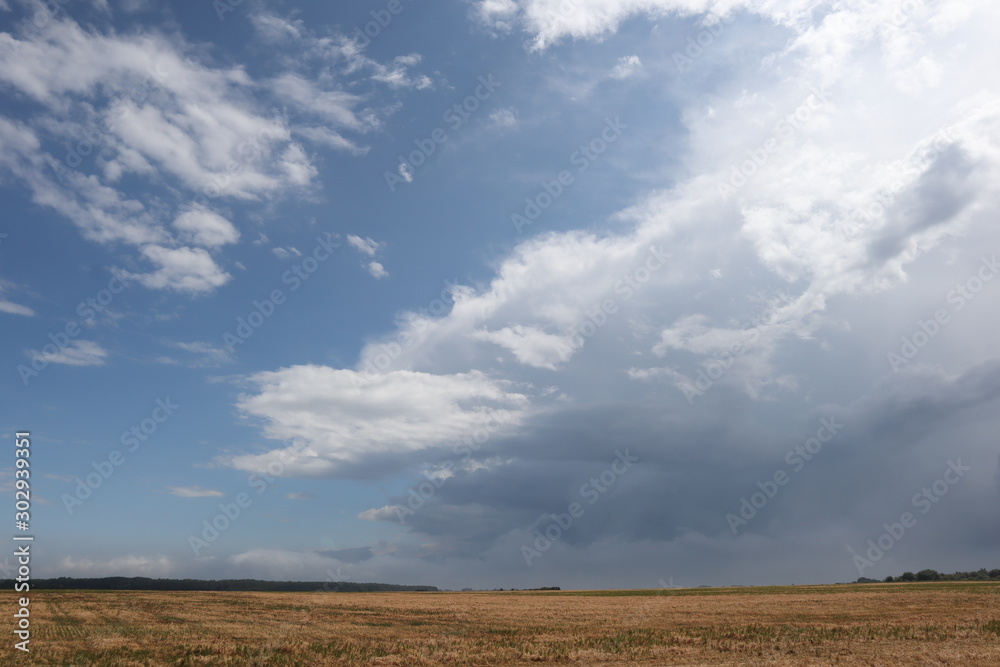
(810, 199)
(149, 107)
(532, 346)
(538, 303)
(286, 253)
(365, 246)
(205, 228)
(369, 248)
(497, 14)
(377, 270)
(818, 212)
(336, 419)
(189, 270)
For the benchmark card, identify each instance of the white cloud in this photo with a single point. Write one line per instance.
(332, 105)
(194, 492)
(404, 171)
(365, 246)
(147, 105)
(286, 253)
(497, 14)
(369, 248)
(275, 29)
(550, 21)
(336, 418)
(206, 353)
(626, 67)
(327, 137)
(535, 306)
(377, 270)
(206, 228)
(76, 353)
(189, 270)
(385, 513)
(532, 346)
(854, 132)
(12, 308)
(503, 118)
(334, 48)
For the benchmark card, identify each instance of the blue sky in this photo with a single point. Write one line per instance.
(502, 293)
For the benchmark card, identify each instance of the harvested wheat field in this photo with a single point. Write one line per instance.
(875, 624)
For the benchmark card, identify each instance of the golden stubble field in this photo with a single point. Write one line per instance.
(890, 624)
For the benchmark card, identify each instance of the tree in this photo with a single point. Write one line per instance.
(889, 579)
(994, 574)
(908, 576)
(928, 575)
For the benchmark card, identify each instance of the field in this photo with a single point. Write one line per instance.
(875, 624)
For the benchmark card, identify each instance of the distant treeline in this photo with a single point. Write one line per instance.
(147, 584)
(933, 575)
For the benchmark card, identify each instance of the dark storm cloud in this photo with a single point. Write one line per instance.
(945, 189)
(690, 476)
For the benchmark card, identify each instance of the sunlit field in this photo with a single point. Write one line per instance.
(875, 624)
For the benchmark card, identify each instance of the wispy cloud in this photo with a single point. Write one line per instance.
(75, 353)
(194, 492)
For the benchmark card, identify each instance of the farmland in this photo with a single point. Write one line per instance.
(874, 624)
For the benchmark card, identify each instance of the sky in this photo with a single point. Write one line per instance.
(503, 293)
